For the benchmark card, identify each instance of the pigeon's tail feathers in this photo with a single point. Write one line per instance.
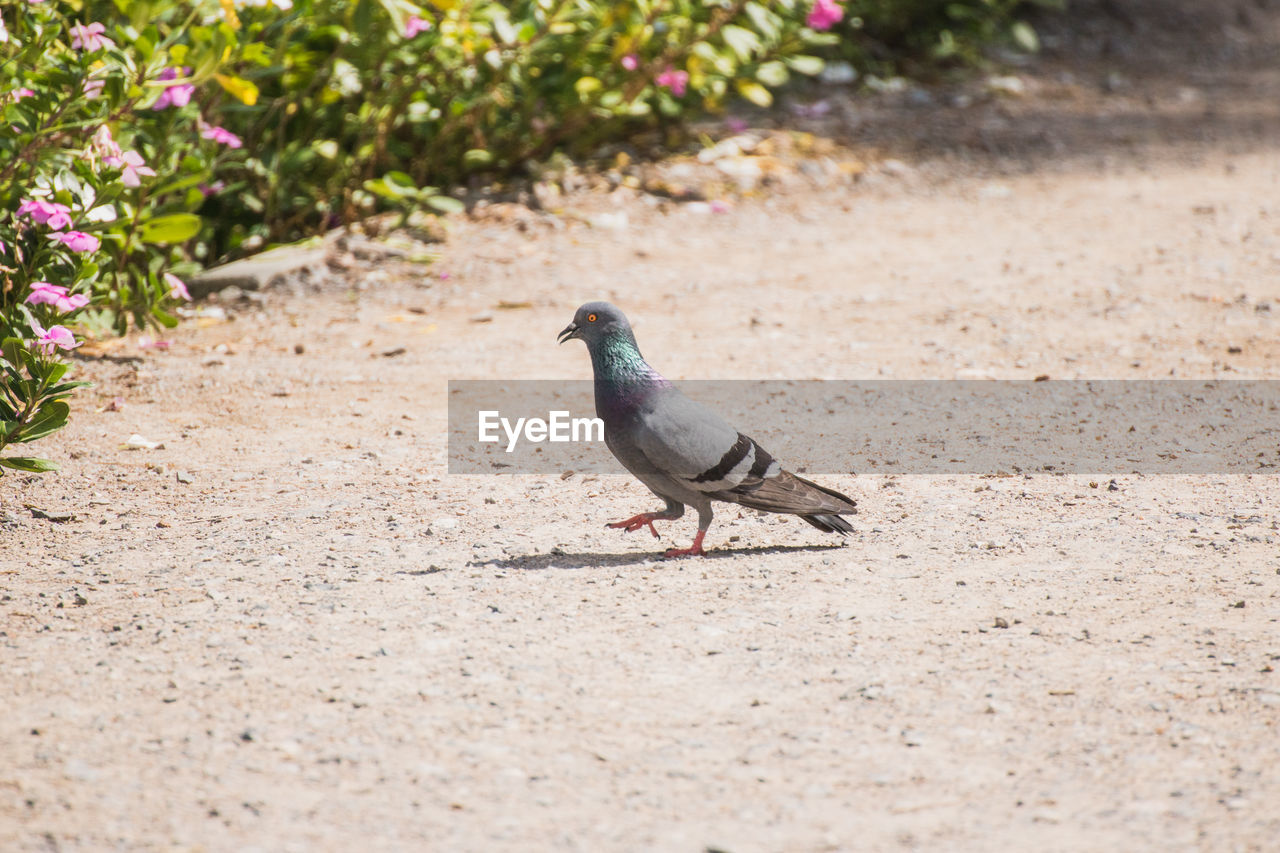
(828, 523)
(850, 502)
(785, 492)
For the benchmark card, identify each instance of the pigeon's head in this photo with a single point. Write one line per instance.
(596, 321)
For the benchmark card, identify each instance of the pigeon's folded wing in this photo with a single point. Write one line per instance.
(695, 446)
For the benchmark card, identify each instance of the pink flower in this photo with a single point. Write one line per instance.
(93, 88)
(630, 62)
(19, 94)
(46, 213)
(415, 25)
(78, 241)
(824, 15)
(174, 96)
(54, 336)
(218, 134)
(676, 81)
(44, 293)
(212, 189)
(103, 145)
(131, 165)
(145, 342)
(177, 287)
(89, 38)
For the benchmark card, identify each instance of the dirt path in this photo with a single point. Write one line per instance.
(288, 628)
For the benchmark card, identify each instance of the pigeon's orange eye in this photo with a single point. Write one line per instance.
(591, 318)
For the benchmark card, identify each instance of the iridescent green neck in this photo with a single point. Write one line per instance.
(617, 361)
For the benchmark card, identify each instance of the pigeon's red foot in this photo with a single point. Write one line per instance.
(694, 550)
(635, 522)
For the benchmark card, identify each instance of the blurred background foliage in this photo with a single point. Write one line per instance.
(350, 107)
(925, 36)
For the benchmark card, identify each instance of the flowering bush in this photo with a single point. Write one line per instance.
(354, 106)
(100, 163)
(357, 106)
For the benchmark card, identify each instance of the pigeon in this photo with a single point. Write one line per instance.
(685, 453)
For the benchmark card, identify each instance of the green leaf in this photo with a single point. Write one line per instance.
(810, 65)
(55, 371)
(381, 188)
(239, 88)
(164, 317)
(446, 204)
(144, 46)
(11, 348)
(402, 182)
(28, 463)
(767, 22)
(1024, 36)
(818, 39)
(182, 183)
(477, 157)
(52, 416)
(586, 85)
(946, 46)
(61, 390)
(502, 26)
(772, 74)
(393, 186)
(257, 53)
(173, 228)
(741, 40)
(754, 92)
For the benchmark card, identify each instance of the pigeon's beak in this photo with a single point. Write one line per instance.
(570, 332)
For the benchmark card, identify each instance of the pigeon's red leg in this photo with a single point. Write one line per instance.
(694, 550)
(635, 522)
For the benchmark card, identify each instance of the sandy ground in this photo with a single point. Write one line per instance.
(290, 629)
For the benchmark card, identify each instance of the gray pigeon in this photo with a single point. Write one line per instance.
(684, 452)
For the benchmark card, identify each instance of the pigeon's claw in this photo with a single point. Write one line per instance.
(694, 550)
(635, 522)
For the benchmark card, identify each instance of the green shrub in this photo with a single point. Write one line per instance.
(366, 104)
(102, 152)
(881, 35)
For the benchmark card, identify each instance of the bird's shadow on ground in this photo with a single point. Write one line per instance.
(595, 560)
